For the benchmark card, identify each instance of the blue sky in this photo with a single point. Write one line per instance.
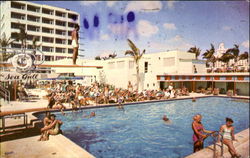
(159, 25)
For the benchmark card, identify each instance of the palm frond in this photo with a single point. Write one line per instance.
(130, 52)
(133, 47)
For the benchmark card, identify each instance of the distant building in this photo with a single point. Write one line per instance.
(120, 71)
(220, 51)
(51, 25)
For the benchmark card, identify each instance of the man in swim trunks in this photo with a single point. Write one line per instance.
(75, 42)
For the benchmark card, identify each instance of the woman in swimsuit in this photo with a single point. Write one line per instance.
(54, 127)
(227, 132)
(199, 136)
(46, 122)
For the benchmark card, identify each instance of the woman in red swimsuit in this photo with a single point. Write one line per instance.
(199, 136)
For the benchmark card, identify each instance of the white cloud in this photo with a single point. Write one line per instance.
(169, 26)
(145, 28)
(175, 43)
(104, 37)
(226, 28)
(245, 44)
(149, 6)
(170, 4)
(118, 29)
(176, 38)
(88, 3)
(111, 3)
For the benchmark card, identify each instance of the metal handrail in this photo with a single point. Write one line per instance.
(215, 135)
(6, 93)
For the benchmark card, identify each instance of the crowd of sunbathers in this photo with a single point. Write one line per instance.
(79, 95)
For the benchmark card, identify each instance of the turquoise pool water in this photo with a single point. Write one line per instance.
(139, 132)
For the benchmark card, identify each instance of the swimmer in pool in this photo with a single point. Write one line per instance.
(92, 114)
(166, 119)
(193, 99)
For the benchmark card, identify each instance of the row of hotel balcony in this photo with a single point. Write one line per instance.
(38, 19)
(45, 39)
(35, 28)
(31, 8)
(46, 48)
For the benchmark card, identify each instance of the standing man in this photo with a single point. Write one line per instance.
(75, 44)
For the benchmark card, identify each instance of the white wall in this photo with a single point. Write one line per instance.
(120, 71)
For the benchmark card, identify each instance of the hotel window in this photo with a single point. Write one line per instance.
(17, 16)
(145, 67)
(131, 64)
(72, 16)
(60, 50)
(169, 61)
(70, 51)
(60, 23)
(47, 11)
(69, 42)
(17, 25)
(47, 49)
(47, 21)
(17, 5)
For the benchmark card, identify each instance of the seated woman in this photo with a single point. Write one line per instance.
(46, 122)
(53, 128)
(227, 132)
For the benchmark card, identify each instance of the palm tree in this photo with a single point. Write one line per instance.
(21, 36)
(209, 55)
(226, 57)
(4, 42)
(244, 56)
(35, 45)
(97, 58)
(137, 55)
(234, 52)
(195, 50)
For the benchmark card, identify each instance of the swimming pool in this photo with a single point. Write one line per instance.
(139, 132)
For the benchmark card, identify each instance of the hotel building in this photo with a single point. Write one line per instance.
(52, 26)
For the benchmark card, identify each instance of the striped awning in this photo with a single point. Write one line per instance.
(205, 77)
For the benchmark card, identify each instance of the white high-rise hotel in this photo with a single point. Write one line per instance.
(51, 25)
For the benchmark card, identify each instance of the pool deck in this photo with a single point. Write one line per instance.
(57, 147)
(60, 146)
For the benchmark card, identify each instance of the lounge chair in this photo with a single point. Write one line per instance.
(208, 91)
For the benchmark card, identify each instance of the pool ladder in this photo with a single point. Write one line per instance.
(215, 137)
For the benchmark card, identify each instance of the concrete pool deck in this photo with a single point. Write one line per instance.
(57, 146)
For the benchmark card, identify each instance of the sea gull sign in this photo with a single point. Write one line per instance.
(9, 76)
